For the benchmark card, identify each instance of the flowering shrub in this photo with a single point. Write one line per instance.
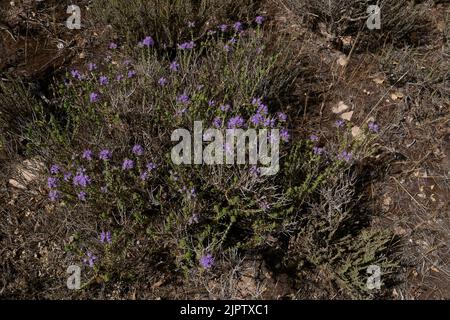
(107, 146)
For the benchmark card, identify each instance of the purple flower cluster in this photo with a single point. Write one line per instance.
(174, 66)
(92, 66)
(225, 107)
(183, 99)
(375, 128)
(217, 122)
(127, 164)
(187, 45)
(105, 237)
(284, 134)
(81, 179)
(138, 150)
(82, 196)
(147, 42)
(76, 74)
(103, 80)
(238, 27)
(87, 154)
(90, 259)
(339, 123)
(223, 27)
(105, 155)
(94, 97)
(207, 261)
(52, 183)
(53, 195)
(54, 169)
(259, 20)
(162, 81)
(345, 155)
(235, 122)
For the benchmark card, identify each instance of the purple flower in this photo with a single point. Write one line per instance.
(54, 169)
(284, 134)
(187, 45)
(131, 74)
(256, 119)
(144, 175)
(67, 176)
(119, 77)
(207, 261)
(104, 189)
(223, 27)
(269, 122)
(259, 19)
(217, 122)
(256, 102)
(282, 116)
(87, 154)
(92, 66)
(148, 41)
(374, 127)
(225, 107)
(211, 103)
(313, 138)
(183, 99)
(105, 237)
(112, 46)
(90, 259)
(76, 74)
(255, 171)
(81, 179)
(162, 81)
(232, 40)
(126, 62)
(82, 196)
(339, 123)
(174, 66)
(53, 195)
(94, 97)
(262, 109)
(318, 151)
(344, 155)
(227, 48)
(105, 155)
(103, 80)
(235, 122)
(127, 164)
(264, 205)
(237, 26)
(52, 182)
(138, 150)
(151, 166)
